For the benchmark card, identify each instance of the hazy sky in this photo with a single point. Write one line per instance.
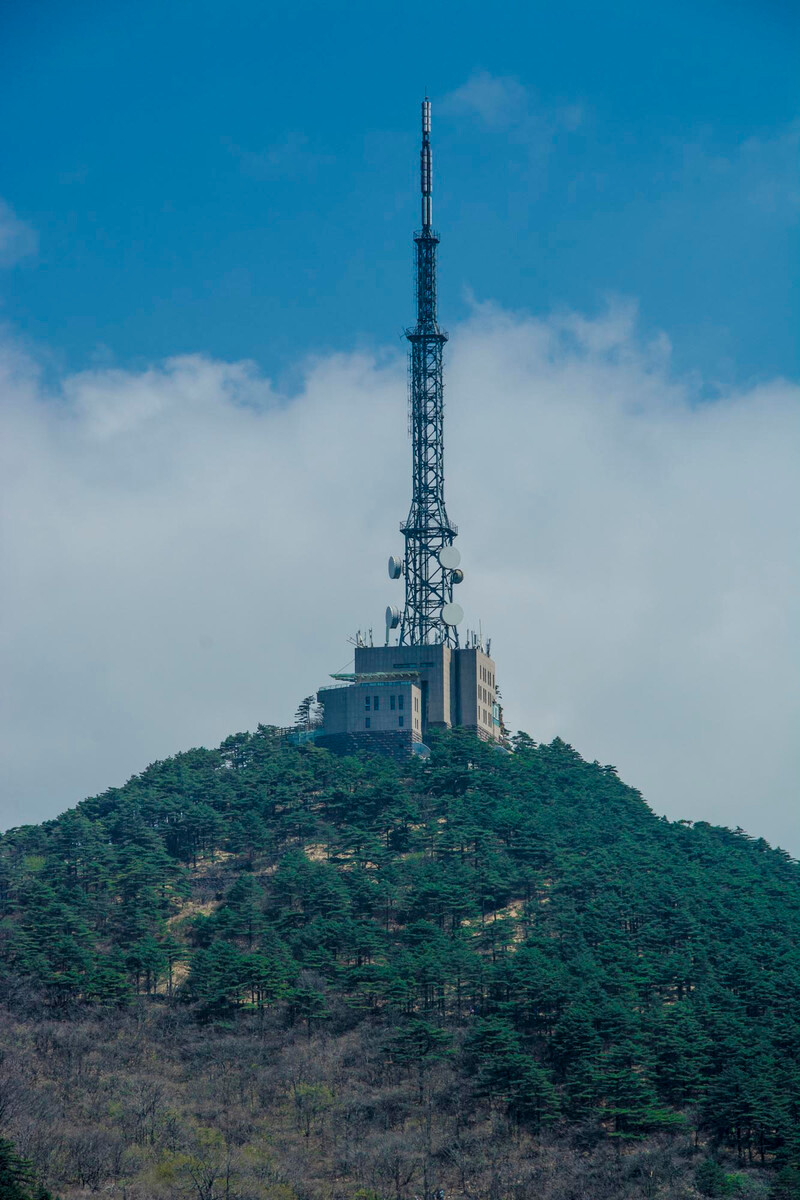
(205, 253)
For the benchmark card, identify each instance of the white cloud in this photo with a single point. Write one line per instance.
(187, 550)
(501, 102)
(756, 178)
(498, 100)
(18, 240)
(759, 171)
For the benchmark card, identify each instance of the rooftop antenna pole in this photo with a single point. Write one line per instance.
(431, 559)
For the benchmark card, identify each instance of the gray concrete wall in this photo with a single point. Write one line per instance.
(476, 692)
(373, 708)
(458, 687)
(434, 664)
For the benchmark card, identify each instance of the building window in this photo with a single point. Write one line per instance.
(391, 702)
(401, 700)
(366, 703)
(401, 720)
(376, 702)
(367, 723)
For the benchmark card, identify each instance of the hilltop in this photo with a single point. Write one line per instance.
(269, 970)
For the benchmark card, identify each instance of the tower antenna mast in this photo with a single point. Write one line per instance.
(398, 692)
(429, 566)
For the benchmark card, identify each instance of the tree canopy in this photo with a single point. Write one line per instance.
(524, 915)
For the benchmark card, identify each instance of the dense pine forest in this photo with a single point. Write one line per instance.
(266, 972)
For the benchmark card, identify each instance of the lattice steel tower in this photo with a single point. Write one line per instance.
(398, 694)
(431, 561)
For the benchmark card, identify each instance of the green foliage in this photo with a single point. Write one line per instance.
(786, 1185)
(711, 1180)
(417, 1041)
(503, 1070)
(525, 917)
(16, 1176)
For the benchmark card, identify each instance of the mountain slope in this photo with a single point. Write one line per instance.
(523, 922)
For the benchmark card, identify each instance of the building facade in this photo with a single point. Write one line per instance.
(397, 694)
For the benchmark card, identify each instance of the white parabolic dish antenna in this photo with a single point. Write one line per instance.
(449, 557)
(452, 614)
(393, 617)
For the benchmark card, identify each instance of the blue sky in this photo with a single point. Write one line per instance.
(238, 179)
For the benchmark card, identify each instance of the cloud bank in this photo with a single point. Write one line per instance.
(186, 550)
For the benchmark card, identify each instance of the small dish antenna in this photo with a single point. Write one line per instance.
(452, 614)
(393, 616)
(449, 557)
(457, 576)
(395, 567)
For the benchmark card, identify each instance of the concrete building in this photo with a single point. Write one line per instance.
(396, 694)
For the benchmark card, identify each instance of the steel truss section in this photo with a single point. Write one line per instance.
(429, 586)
